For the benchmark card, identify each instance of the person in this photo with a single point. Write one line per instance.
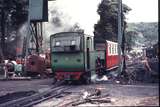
(5, 70)
(9, 68)
(99, 67)
(145, 62)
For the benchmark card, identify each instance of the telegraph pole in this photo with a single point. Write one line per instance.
(120, 34)
(2, 29)
(28, 29)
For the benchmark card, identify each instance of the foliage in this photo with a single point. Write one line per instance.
(13, 14)
(15, 11)
(149, 32)
(130, 39)
(107, 26)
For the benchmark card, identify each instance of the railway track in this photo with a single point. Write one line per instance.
(37, 98)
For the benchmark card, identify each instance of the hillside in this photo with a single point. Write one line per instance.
(142, 33)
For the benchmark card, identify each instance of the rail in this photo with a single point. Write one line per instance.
(36, 98)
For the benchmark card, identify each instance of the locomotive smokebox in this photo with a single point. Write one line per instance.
(35, 65)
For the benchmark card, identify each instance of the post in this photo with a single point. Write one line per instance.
(28, 29)
(36, 37)
(119, 33)
(2, 31)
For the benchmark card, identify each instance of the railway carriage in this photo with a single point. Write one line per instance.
(74, 56)
(107, 53)
(112, 58)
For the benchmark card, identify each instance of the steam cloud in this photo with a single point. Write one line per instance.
(58, 21)
(68, 15)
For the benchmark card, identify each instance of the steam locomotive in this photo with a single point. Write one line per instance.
(75, 56)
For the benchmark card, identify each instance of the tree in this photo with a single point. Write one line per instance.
(130, 39)
(141, 34)
(107, 26)
(13, 14)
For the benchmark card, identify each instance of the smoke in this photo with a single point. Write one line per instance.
(22, 31)
(55, 18)
(70, 15)
(58, 21)
(64, 15)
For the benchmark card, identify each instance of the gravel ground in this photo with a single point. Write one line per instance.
(124, 95)
(121, 95)
(24, 85)
(141, 94)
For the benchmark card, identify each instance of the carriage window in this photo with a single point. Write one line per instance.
(112, 49)
(115, 49)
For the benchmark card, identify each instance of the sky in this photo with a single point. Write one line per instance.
(142, 10)
(84, 12)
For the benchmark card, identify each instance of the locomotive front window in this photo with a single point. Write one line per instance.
(66, 42)
(73, 42)
(57, 43)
